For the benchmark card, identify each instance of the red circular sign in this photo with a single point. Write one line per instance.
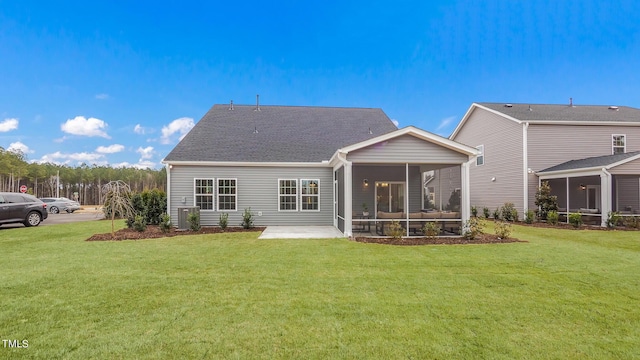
(23, 189)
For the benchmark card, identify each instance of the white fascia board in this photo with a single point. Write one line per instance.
(570, 173)
(324, 163)
(468, 114)
(582, 123)
(420, 134)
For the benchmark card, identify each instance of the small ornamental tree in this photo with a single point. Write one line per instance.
(117, 202)
(545, 201)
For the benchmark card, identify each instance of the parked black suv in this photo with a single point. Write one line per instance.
(21, 208)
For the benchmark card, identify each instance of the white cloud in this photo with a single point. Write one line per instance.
(181, 126)
(8, 125)
(66, 158)
(444, 123)
(102, 96)
(395, 122)
(19, 147)
(145, 153)
(111, 149)
(85, 127)
(139, 129)
(139, 165)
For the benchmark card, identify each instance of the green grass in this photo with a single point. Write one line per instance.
(565, 294)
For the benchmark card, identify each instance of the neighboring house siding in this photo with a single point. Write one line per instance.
(445, 182)
(405, 149)
(503, 160)
(366, 194)
(257, 188)
(550, 145)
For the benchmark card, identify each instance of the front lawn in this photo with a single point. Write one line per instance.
(565, 294)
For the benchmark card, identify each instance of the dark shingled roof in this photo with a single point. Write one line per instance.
(592, 162)
(278, 133)
(585, 113)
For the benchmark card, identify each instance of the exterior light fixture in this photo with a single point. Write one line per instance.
(582, 187)
(365, 182)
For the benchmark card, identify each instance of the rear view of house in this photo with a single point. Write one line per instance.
(587, 153)
(308, 166)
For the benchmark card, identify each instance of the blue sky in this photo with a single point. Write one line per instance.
(120, 82)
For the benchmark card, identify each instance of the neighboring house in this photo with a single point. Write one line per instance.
(306, 166)
(587, 153)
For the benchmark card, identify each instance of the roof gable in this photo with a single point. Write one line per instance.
(557, 114)
(277, 133)
(596, 162)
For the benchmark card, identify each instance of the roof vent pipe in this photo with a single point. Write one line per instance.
(257, 102)
(231, 105)
(571, 101)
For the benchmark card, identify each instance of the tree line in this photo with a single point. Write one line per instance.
(82, 183)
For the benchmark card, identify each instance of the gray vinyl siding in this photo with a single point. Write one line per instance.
(550, 145)
(407, 148)
(257, 188)
(366, 194)
(445, 182)
(503, 160)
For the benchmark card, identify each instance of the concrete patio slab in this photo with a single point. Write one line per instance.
(301, 232)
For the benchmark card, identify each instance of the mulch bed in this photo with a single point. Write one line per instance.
(154, 232)
(484, 239)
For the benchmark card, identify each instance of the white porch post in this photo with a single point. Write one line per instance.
(605, 196)
(406, 196)
(465, 196)
(348, 200)
(567, 180)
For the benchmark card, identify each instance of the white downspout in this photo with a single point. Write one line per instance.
(168, 167)
(465, 196)
(525, 163)
(605, 196)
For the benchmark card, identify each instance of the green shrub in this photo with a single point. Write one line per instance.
(431, 229)
(502, 229)
(552, 217)
(165, 223)
(575, 219)
(631, 222)
(155, 204)
(529, 216)
(474, 211)
(139, 224)
(247, 219)
(194, 221)
(509, 212)
(613, 219)
(473, 228)
(395, 230)
(496, 214)
(223, 221)
(486, 212)
(545, 201)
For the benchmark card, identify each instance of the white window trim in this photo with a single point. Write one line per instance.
(280, 195)
(317, 195)
(218, 195)
(213, 195)
(624, 136)
(481, 155)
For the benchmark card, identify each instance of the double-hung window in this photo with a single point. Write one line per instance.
(480, 158)
(227, 195)
(618, 144)
(288, 194)
(309, 194)
(203, 189)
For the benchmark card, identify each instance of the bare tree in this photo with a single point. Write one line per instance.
(117, 201)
